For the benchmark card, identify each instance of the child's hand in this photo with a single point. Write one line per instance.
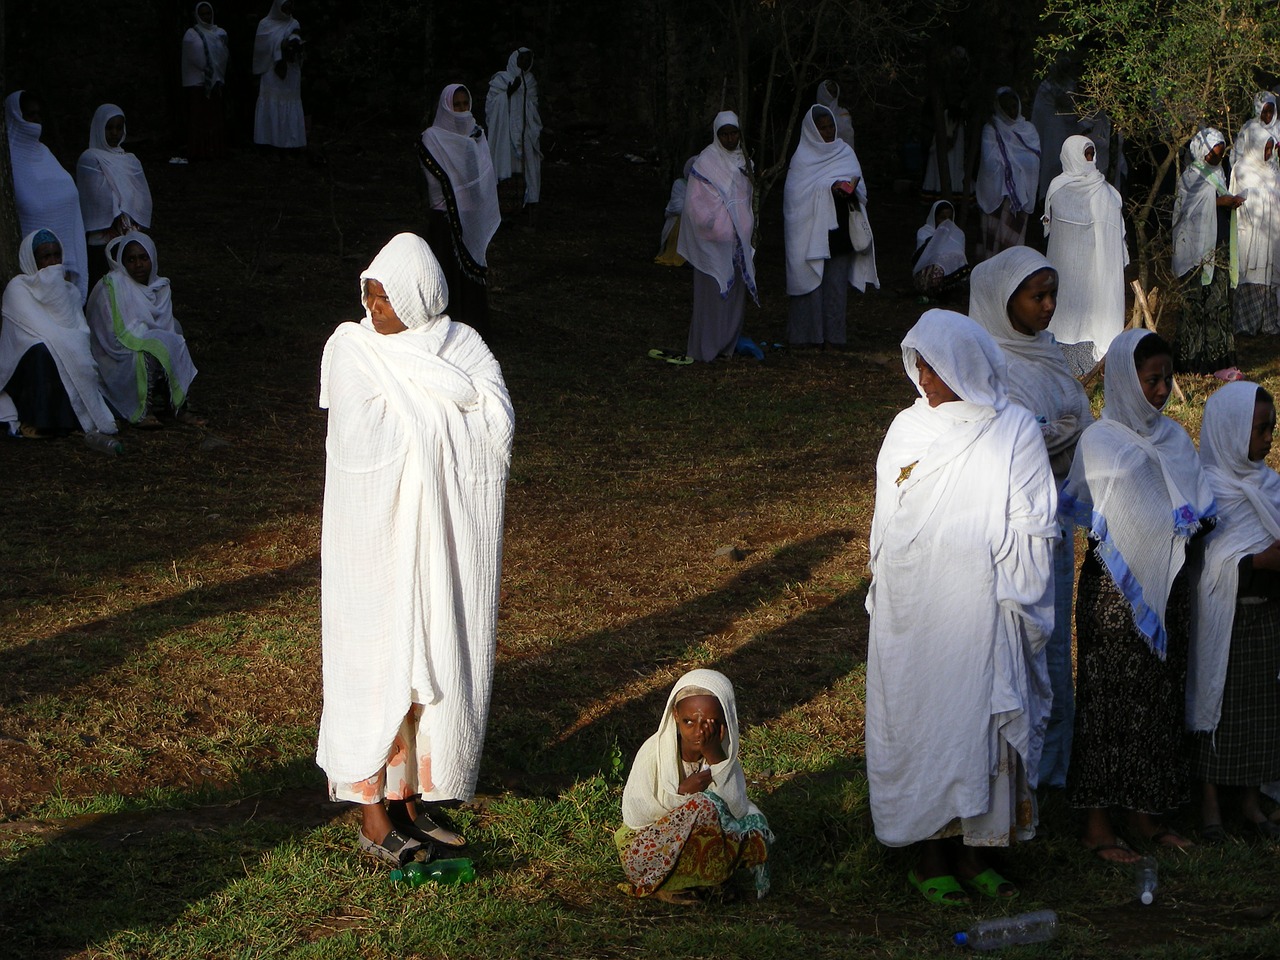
(695, 782)
(711, 734)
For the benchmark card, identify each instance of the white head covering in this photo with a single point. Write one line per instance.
(155, 294)
(458, 144)
(808, 207)
(1011, 160)
(1258, 219)
(1195, 211)
(966, 358)
(1248, 495)
(830, 100)
(1077, 173)
(204, 52)
(273, 30)
(127, 189)
(726, 174)
(943, 245)
(415, 285)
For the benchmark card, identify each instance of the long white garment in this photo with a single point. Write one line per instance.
(44, 194)
(1257, 179)
(515, 126)
(111, 181)
(674, 208)
(204, 52)
(131, 321)
(1195, 210)
(955, 158)
(1010, 161)
(829, 97)
(653, 786)
(1084, 221)
(1137, 487)
(418, 451)
(809, 209)
(943, 244)
(1248, 496)
(458, 145)
(1038, 376)
(1053, 114)
(40, 306)
(1260, 101)
(961, 599)
(273, 29)
(278, 119)
(717, 225)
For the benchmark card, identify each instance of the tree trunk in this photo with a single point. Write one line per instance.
(10, 233)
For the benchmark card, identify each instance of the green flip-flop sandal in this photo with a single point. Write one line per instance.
(940, 890)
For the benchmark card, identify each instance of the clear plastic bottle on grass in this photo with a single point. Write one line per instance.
(415, 874)
(107, 443)
(1034, 927)
(1145, 880)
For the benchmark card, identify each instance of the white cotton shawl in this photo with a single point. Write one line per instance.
(515, 126)
(1258, 219)
(40, 306)
(129, 319)
(1248, 496)
(204, 52)
(1260, 100)
(844, 121)
(809, 209)
(1010, 165)
(1038, 376)
(943, 245)
(1137, 487)
(674, 208)
(1084, 221)
(418, 451)
(653, 786)
(111, 181)
(1195, 209)
(1053, 114)
(273, 30)
(45, 194)
(459, 146)
(961, 599)
(718, 222)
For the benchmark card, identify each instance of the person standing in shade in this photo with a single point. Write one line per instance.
(515, 125)
(278, 119)
(115, 197)
(204, 74)
(1008, 175)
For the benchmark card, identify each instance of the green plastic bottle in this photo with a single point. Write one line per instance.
(415, 874)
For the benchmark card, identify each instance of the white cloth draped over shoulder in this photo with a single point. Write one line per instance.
(1257, 179)
(717, 225)
(40, 306)
(809, 209)
(831, 100)
(961, 599)
(1248, 496)
(418, 451)
(458, 144)
(279, 119)
(1260, 101)
(204, 53)
(1038, 376)
(515, 126)
(131, 321)
(1010, 162)
(273, 30)
(1195, 209)
(111, 180)
(1084, 221)
(44, 194)
(943, 243)
(1136, 486)
(653, 786)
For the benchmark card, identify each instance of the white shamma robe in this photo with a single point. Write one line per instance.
(515, 126)
(418, 451)
(961, 600)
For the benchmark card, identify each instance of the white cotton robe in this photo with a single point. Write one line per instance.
(1084, 221)
(1258, 219)
(418, 451)
(515, 126)
(1010, 162)
(278, 119)
(111, 180)
(961, 599)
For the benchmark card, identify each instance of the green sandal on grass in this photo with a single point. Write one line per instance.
(940, 890)
(989, 882)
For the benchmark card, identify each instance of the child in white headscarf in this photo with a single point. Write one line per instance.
(1008, 175)
(1255, 177)
(115, 197)
(940, 264)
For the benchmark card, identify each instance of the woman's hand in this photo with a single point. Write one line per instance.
(1230, 200)
(695, 782)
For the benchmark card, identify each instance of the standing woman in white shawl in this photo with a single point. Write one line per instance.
(716, 237)
(1204, 228)
(463, 194)
(1137, 488)
(939, 264)
(1255, 177)
(48, 380)
(138, 343)
(961, 604)
(515, 125)
(44, 194)
(204, 73)
(278, 119)
(829, 97)
(417, 456)
(1084, 221)
(115, 197)
(1013, 296)
(824, 185)
(1233, 697)
(1008, 175)
(687, 821)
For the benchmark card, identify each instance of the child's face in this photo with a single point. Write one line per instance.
(700, 721)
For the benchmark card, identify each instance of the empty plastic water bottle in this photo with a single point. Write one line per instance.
(1145, 880)
(107, 443)
(1034, 927)
(415, 874)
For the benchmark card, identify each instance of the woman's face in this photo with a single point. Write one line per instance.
(943, 214)
(729, 136)
(136, 262)
(1214, 156)
(1264, 427)
(29, 106)
(114, 131)
(461, 100)
(696, 717)
(384, 317)
(1031, 307)
(205, 13)
(826, 126)
(47, 254)
(1090, 153)
(1009, 104)
(1268, 112)
(932, 386)
(1155, 376)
